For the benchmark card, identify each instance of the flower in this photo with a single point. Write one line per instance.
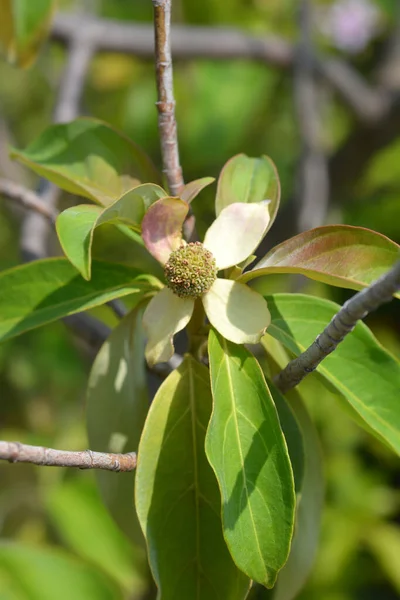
(239, 313)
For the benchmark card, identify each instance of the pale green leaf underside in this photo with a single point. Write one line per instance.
(177, 496)
(248, 453)
(116, 409)
(360, 369)
(49, 289)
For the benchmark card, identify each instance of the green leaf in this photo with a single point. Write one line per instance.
(23, 27)
(291, 431)
(360, 369)
(46, 573)
(76, 225)
(177, 497)
(247, 450)
(89, 158)
(245, 179)
(296, 571)
(341, 255)
(117, 405)
(84, 525)
(49, 289)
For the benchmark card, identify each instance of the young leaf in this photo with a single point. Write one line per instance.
(49, 289)
(341, 255)
(76, 225)
(177, 497)
(45, 573)
(245, 179)
(360, 369)
(89, 158)
(247, 450)
(23, 27)
(193, 188)
(117, 405)
(296, 571)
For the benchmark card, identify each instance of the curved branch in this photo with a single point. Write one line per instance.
(355, 309)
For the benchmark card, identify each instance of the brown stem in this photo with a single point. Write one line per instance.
(48, 457)
(26, 198)
(166, 102)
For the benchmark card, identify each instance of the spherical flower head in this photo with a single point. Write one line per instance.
(190, 270)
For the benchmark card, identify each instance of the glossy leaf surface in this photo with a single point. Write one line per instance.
(246, 179)
(177, 496)
(89, 158)
(247, 450)
(23, 27)
(49, 289)
(360, 369)
(76, 225)
(46, 573)
(117, 405)
(341, 255)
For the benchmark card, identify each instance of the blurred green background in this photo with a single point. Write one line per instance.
(62, 544)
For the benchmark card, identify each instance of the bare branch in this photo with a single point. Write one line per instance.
(313, 180)
(27, 199)
(358, 307)
(48, 457)
(219, 43)
(166, 101)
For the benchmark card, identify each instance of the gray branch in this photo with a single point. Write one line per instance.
(26, 198)
(313, 179)
(48, 457)
(219, 43)
(355, 309)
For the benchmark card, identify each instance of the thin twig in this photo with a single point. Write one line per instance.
(49, 457)
(27, 199)
(166, 101)
(358, 307)
(313, 180)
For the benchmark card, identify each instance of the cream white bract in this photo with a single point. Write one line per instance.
(239, 314)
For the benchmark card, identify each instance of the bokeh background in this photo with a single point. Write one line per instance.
(62, 542)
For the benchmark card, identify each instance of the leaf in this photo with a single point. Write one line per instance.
(46, 573)
(247, 450)
(49, 289)
(24, 26)
(296, 571)
(89, 158)
(84, 525)
(291, 431)
(117, 405)
(341, 255)
(360, 369)
(177, 497)
(76, 225)
(192, 189)
(245, 179)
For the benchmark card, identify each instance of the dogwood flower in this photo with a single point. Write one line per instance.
(239, 313)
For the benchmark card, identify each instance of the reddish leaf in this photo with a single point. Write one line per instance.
(341, 255)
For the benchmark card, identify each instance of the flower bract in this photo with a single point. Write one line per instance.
(239, 313)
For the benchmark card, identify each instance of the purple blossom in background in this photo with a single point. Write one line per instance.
(350, 24)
